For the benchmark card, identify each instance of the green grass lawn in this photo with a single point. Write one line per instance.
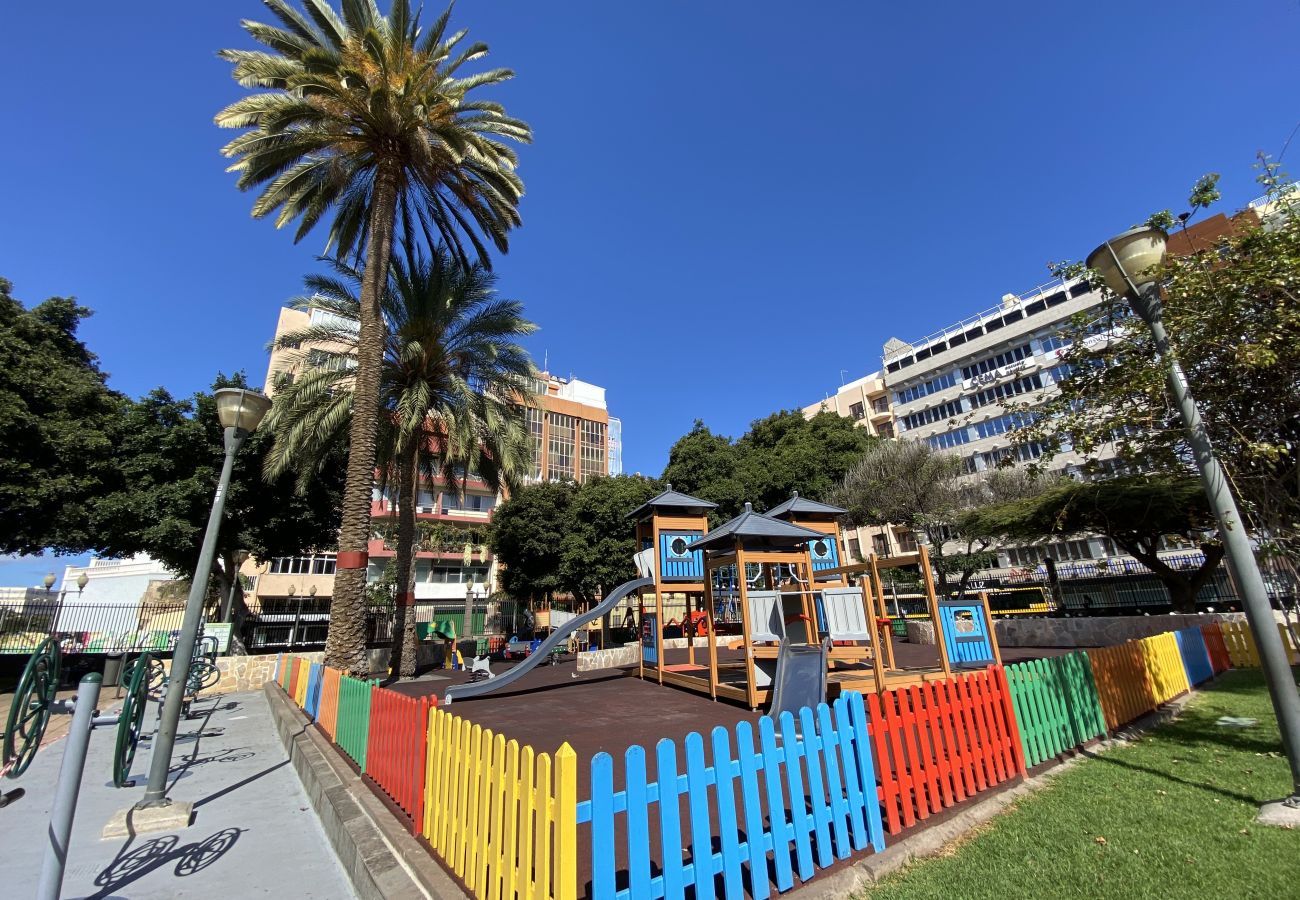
(1169, 815)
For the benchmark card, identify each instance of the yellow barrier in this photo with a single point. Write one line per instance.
(1241, 644)
(496, 816)
(300, 695)
(1164, 665)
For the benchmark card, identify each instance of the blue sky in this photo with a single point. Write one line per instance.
(727, 203)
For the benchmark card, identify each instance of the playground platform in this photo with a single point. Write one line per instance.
(254, 833)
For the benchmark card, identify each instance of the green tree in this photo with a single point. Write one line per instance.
(596, 551)
(779, 454)
(61, 424)
(169, 457)
(1135, 512)
(451, 384)
(910, 483)
(364, 115)
(527, 538)
(1233, 320)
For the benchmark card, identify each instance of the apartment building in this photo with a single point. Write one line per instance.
(572, 440)
(865, 401)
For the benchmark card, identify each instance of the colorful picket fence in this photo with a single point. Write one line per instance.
(1057, 706)
(396, 749)
(499, 815)
(1220, 659)
(1168, 675)
(1196, 656)
(328, 714)
(311, 705)
(1123, 685)
(832, 812)
(939, 742)
(1242, 649)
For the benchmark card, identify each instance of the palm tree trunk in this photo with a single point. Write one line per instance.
(345, 646)
(404, 638)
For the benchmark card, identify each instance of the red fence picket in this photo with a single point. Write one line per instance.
(939, 742)
(399, 728)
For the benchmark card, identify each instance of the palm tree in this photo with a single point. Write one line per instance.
(452, 382)
(364, 117)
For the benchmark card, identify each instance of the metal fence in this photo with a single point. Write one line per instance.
(90, 627)
(303, 623)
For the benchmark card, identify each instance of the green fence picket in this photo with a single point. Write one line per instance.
(353, 727)
(1056, 705)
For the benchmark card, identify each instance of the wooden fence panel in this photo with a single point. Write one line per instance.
(735, 822)
(1122, 683)
(1195, 655)
(498, 814)
(1220, 659)
(395, 750)
(1056, 703)
(311, 700)
(936, 744)
(328, 715)
(354, 718)
(1165, 666)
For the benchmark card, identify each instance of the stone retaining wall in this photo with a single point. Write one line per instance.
(1097, 631)
(629, 654)
(245, 673)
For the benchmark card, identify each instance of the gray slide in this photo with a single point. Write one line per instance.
(800, 680)
(561, 634)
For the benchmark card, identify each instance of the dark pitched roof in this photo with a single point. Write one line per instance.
(755, 530)
(797, 505)
(671, 499)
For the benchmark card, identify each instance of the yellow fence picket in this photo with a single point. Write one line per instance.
(545, 820)
(527, 809)
(566, 823)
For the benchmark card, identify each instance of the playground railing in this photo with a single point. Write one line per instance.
(1241, 644)
(1056, 703)
(1195, 654)
(395, 749)
(500, 815)
(1122, 682)
(938, 742)
(738, 803)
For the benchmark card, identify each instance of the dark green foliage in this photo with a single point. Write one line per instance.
(778, 455)
(58, 426)
(170, 456)
(1135, 512)
(528, 531)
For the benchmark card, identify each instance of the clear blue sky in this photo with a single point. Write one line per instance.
(727, 203)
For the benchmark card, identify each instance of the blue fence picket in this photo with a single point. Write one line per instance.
(670, 826)
(750, 797)
(638, 822)
(834, 784)
(602, 827)
(843, 736)
(816, 788)
(701, 831)
(315, 678)
(867, 770)
(781, 824)
(724, 772)
(1196, 656)
(800, 818)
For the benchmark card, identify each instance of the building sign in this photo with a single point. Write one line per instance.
(220, 631)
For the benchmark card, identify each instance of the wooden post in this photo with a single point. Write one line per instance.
(711, 606)
(751, 693)
(939, 640)
(807, 596)
(988, 623)
(880, 595)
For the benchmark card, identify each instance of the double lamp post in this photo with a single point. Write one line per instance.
(1128, 264)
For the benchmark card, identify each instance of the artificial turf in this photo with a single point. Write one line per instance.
(1168, 815)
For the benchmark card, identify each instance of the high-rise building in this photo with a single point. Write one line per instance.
(615, 446)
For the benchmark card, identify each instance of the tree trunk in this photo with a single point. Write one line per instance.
(402, 658)
(345, 646)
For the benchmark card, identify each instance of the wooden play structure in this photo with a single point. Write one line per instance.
(784, 573)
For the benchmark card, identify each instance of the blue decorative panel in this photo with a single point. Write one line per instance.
(825, 553)
(965, 633)
(649, 638)
(676, 563)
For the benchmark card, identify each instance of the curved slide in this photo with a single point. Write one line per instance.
(507, 678)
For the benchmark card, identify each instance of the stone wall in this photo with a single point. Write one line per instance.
(1097, 631)
(245, 673)
(629, 654)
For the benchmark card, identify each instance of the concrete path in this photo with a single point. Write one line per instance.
(254, 832)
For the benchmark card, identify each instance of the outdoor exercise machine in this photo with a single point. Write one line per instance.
(34, 701)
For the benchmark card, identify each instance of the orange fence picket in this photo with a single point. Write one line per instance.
(1220, 660)
(328, 716)
(1122, 683)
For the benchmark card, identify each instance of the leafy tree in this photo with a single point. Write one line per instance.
(364, 115)
(596, 552)
(528, 533)
(61, 424)
(910, 483)
(1233, 320)
(1134, 512)
(778, 455)
(450, 386)
(170, 456)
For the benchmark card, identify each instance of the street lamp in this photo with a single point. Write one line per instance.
(1127, 264)
(240, 411)
(48, 581)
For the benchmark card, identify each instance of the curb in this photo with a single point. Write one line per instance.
(381, 857)
(930, 841)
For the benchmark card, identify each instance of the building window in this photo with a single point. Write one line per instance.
(856, 411)
(916, 392)
(949, 439)
(938, 413)
(594, 456)
(854, 548)
(880, 405)
(880, 544)
(1003, 424)
(480, 503)
(997, 393)
(317, 564)
(534, 421)
(885, 430)
(1005, 358)
(560, 447)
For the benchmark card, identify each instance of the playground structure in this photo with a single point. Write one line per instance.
(784, 575)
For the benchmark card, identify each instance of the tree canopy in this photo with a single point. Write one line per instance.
(1135, 512)
(527, 537)
(779, 454)
(170, 456)
(61, 426)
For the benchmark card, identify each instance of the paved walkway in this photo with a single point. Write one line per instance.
(254, 832)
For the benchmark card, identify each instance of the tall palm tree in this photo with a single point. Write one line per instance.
(363, 117)
(452, 384)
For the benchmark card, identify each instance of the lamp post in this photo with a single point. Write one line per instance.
(1127, 263)
(240, 411)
